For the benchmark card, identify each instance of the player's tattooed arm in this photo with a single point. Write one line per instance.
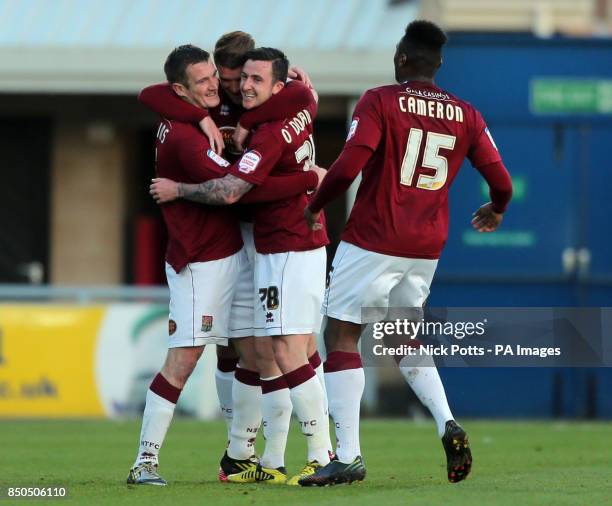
(215, 192)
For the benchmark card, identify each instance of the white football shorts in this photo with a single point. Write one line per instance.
(241, 315)
(201, 299)
(289, 288)
(361, 278)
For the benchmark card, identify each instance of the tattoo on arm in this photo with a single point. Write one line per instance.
(216, 192)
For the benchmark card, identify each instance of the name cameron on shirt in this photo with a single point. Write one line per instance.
(430, 108)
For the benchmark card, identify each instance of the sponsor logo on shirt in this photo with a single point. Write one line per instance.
(436, 95)
(249, 162)
(219, 160)
(352, 129)
(491, 138)
(207, 323)
(225, 110)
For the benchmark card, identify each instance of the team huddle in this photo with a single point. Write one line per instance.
(242, 199)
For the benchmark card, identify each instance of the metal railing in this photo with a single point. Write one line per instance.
(82, 294)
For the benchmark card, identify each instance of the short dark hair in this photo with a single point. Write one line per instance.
(280, 63)
(422, 44)
(179, 59)
(230, 49)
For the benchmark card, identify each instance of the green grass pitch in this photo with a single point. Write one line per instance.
(516, 463)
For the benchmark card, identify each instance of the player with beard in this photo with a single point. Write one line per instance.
(409, 141)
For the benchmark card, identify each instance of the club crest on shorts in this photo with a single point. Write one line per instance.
(171, 327)
(249, 162)
(207, 323)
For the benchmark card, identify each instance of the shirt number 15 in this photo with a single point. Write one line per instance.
(432, 159)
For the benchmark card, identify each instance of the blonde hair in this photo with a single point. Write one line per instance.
(231, 47)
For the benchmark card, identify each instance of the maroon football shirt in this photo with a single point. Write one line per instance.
(160, 98)
(294, 97)
(419, 135)
(281, 147)
(196, 233)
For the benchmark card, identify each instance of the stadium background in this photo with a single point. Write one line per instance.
(82, 313)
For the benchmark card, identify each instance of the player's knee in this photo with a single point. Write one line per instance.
(312, 345)
(249, 363)
(226, 352)
(265, 361)
(284, 356)
(267, 366)
(263, 349)
(342, 336)
(332, 338)
(176, 376)
(180, 364)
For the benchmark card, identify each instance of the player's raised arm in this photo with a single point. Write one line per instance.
(160, 99)
(301, 75)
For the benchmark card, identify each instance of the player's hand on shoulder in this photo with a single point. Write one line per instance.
(485, 219)
(319, 171)
(215, 137)
(300, 74)
(312, 219)
(240, 136)
(164, 190)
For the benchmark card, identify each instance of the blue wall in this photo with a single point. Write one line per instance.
(562, 171)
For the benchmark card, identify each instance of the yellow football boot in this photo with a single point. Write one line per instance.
(307, 470)
(270, 475)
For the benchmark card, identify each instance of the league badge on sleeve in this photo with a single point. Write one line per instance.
(207, 323)
(491, 138)
(249, 162)
(219, 160)
(352, 129)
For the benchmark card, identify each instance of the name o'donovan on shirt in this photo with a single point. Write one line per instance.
(297, 124)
